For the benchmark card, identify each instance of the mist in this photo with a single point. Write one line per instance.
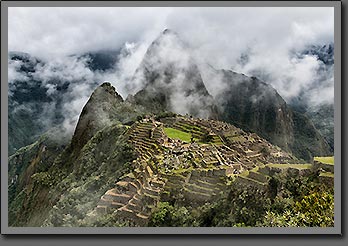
(259, 42)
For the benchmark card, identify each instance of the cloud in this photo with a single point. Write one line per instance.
(223, 31)
(267, 37)
(60, 31)
(13, 72)
(63, 69)
(62, 105)
(169, 68)
(129, 60)
(290, 76)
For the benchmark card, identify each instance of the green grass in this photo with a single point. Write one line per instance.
(298, 166)
(326, 160)
(177, 134)
(326, 175)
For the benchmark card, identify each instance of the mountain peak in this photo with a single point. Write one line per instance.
(170, 38)
(169, 32)
(171, 80)
(166, 31)
(96, 114)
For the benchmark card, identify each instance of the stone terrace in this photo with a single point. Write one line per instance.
(136, 194)
(192, 173)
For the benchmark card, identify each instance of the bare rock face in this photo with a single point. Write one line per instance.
(170, 80)
(99, 111)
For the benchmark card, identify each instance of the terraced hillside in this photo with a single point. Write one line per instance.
(170, 166)
(325, 165)
(138, 192)
(123, 170)
(260, 176)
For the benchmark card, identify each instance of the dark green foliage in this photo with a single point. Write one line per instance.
(43, 178)
(30, 165)
(16, 205)
(22, 129)
(207, 138)
(307, 140)
(166, 214)
(78, 183)
(107, 220)
(300, 201)
(139, 117)
(59, 187)
(242, 206)
(165, 114)
(104, 159)
(313, 210)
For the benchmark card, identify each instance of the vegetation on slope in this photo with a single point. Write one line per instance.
(297, 202)
(163, 182)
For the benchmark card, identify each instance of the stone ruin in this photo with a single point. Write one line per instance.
(192, 173)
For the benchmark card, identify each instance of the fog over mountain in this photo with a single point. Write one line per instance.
(79, 48)
(171, 117)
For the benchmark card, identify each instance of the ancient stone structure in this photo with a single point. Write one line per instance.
(192, 172)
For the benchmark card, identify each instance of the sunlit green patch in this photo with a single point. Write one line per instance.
(326, 159)
(298, 166)
(331, 175)
(177, 134)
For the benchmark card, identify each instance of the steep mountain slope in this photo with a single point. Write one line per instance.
(170, 80)
(29, 183)
(190, 172)
(104, 109)
(61, 166)
(124, 168)
(127, 158)
(320, 110)
(39, 90)
(322, 117)
(255, 106)
(98, 112)
(308, 142)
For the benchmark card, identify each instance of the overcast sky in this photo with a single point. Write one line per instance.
(228, 31)
(218, 36)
